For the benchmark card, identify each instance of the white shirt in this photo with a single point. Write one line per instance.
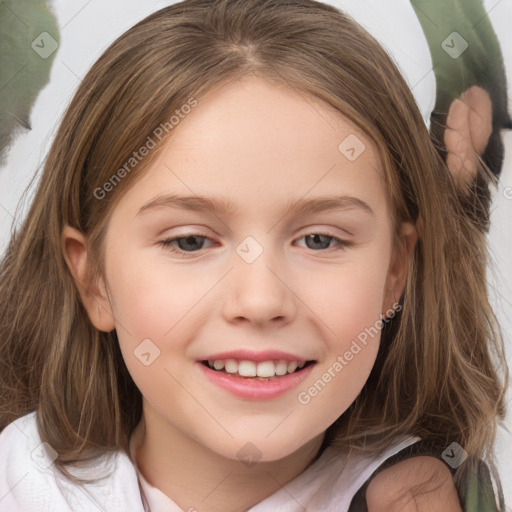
(29, 481)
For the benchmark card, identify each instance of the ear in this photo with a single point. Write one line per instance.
(397, 272)
(93, 295)
(468, 128)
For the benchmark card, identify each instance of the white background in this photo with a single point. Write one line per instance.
(89, 26)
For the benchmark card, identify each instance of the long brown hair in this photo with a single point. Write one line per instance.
(438, 372)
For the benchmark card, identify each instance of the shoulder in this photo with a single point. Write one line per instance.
(17, 444)
(421, 483)
(30, 482)
(23, 474)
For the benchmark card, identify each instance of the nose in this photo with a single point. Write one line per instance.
(259, 292)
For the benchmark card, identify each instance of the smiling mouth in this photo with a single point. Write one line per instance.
(251, 376)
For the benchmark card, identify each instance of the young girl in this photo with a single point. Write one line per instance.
(327, 345)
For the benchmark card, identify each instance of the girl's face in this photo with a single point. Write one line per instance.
(264, 281)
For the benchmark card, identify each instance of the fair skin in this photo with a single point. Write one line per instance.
(260, 146)
(419, 484)
(469, 126)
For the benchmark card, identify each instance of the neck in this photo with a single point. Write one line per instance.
(197, 478)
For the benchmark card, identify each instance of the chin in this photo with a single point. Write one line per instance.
(259, 449)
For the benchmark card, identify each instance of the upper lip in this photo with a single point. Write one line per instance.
(253, 355)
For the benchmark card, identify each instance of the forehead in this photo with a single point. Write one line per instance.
(259, 143)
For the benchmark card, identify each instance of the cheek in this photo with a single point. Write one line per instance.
(153, 304)
(349, 305)
(151, 295)
(167, 303)
(348, 297)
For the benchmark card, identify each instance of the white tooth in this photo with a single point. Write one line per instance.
(246, 368)
(218, 364)
(210, 362)
(292, 366)
(281, 368)
(301, 365)
(231, 366)
(265, 369)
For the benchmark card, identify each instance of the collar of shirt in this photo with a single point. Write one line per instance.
(328, 484)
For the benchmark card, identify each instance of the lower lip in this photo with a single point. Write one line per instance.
(250, 389)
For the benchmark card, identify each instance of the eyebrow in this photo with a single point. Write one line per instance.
(224, 206)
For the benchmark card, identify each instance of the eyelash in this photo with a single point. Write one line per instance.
(167, 243)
